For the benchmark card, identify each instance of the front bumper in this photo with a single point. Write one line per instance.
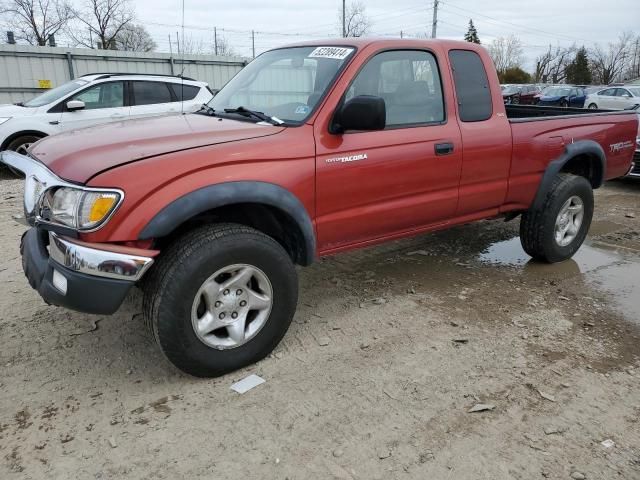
(78, 276)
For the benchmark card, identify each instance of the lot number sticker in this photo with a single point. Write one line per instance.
(336, 53)
(44, 83)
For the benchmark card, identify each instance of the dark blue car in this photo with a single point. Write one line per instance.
(563, 97)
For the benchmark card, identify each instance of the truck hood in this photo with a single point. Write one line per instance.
(78, 155)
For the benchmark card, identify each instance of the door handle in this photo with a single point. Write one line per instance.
(443, 148)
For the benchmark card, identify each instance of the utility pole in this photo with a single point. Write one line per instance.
(253, 43)
(344, 15)
(434, 25)
(401, 34)
(215, 40)
(178, 43)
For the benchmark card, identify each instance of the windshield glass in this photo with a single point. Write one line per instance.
(635, 91)
(55, 93)
(286, 83)
(511, 89)
(557, 92)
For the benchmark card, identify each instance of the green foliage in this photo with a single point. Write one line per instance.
(472, 34)
(514, 75)
(578, 71)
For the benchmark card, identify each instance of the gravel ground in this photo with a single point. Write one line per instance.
(390, 349)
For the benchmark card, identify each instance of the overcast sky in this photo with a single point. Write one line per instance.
(538, 23)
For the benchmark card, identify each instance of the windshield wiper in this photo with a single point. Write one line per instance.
(252, 113)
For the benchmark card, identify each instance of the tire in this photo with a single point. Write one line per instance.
(539, 228)
(564, 104)
(516, 101)
(21, 145)
(593, 106)
(189, 265)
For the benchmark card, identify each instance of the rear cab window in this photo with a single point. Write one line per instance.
(471, 85)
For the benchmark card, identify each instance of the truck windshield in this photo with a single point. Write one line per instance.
(54, 94)
(284, 84)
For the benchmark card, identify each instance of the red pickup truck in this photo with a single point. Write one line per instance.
(312, 149)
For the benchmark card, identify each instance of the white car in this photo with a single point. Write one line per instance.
(95, 99)
(614, 98)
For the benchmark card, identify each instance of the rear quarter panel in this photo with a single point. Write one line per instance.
(537, 142)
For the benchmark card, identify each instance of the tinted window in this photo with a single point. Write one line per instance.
(189, 91)
(103, 95)
(409, 83)
(472, 86)
(148, 93)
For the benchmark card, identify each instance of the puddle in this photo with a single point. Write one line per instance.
(510, 253)
(606, 269)
(622, 283)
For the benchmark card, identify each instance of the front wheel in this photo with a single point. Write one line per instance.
(556, 230)
(220, 298)
(593, 106)
(21, 145)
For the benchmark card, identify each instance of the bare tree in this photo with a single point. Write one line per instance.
(551, 65)
(506, 52)
(357, 23)
(102, 21)
(192, 46)
(222, 47)
(34, 21)
(135, 38)
(608, 64)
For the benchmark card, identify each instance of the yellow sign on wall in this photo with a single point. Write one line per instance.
(44, 83)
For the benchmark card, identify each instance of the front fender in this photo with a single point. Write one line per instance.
(214, 196)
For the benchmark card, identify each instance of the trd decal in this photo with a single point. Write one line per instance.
(617, 147)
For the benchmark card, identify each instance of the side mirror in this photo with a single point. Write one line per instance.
(364, 112)
(74, 105)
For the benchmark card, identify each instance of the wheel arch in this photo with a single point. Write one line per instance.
(265, 206)
(585, 158)
(21, 133)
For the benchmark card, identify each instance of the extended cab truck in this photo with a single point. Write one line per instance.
(311, 150)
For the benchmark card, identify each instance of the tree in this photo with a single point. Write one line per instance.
(608, 64)
(222, 47)
(551, 65)
(34, 21)
(357, 23)
(135, 38)
(514, 75)
(577, 71)
(506, 52)
(103, 20)
(472, 34)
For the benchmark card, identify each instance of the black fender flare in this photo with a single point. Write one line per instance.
(222, 194)
(572, 150)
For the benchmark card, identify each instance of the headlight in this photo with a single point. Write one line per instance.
(79, 209)
(4, 119)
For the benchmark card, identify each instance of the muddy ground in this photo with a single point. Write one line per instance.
(390, 348)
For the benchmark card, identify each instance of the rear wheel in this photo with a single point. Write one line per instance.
(593, 106)
(564, 104)
(21, 145)
(221, 297)
(556, 231)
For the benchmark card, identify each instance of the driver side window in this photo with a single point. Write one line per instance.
(409, 83)
(103, 95)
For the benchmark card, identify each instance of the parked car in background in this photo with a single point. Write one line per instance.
(520, 94)
(95, 99)
(614, 98)
(563, 97)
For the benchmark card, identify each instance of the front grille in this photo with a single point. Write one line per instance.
(636, 163)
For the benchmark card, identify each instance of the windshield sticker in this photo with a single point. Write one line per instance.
(335, 53)
(302, 110)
